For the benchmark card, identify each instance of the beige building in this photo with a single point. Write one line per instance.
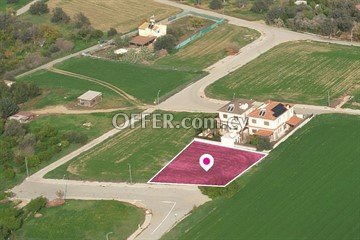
(90, 98)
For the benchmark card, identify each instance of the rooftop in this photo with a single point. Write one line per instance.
(270, 110)
(141, 41)
(237, 106)
(89, 95)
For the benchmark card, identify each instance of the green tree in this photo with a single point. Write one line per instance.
(260, 6)
(7, 108)
(112, 32)
(215, 4)
(10, 220)
(59, 16)
(122, 41)
(80, 20)
(14, 129)
(167, 42)
(38, 8)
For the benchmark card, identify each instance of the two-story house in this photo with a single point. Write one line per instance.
(270, 120)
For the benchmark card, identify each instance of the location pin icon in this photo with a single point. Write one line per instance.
(206, 161)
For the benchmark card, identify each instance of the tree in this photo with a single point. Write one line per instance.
(215, 4)
(39, 8)
(259, 6)
(11, 1)
(122, 41)
(59, 16)
(10, 220)
(14, 129)
(27, 144)
(81, 20)
(7, 108)
(167, 42)
(64, 45)
(112, 32)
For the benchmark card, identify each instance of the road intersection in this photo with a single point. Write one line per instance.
(168, 204)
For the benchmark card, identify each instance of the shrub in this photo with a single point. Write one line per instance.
(10, 220)
(39, 8)
(11, 1)
(264, 144)
(259, 7)
(9, 173)
(75, 137)
(81, 21)
(14, 129)
(112, 32)
(232, 48)
(177, 32)
(7, 108)
(35, 205)
(167, 42)
(64, 45)
(215, 4)
(122, 41)
(33, 161)
(59, 16)
(2, 126)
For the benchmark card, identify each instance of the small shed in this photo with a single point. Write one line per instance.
(90, 98)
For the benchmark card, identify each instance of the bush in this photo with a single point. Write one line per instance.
(39, 8)
(64, 45)
(14, 129)
(122, 41)
(112, 32)
(215, 4)
(75, 137)
(81, 21)
(264, 144)
(10, 220)
(167, 42)
(59, 16)
(33, 161)
(35, 205)
(260, 7)
(232, 48)
(177, 32)
(7, 108)
(11, 1)
(9, 173)
(2, 126)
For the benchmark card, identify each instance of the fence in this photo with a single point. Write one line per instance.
(202, 32)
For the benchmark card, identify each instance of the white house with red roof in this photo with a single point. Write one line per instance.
(272, 119)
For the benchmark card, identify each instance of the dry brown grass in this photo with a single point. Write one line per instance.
(124, 15)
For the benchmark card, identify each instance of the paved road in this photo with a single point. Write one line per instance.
(25, 8)
(193, 97)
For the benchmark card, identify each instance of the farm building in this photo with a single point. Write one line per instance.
(90, 98)
(152, 29)
(142, 41)
(22, 117)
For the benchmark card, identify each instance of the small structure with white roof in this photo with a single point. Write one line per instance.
(90, 98)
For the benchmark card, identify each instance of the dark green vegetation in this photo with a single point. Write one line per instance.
(326, 17)
(147, 150)
(60, 89)
(217, 44)
(307, 188)
(294, 72)
(84, 220)
(139, 81)
(30, 40)
(12, 4)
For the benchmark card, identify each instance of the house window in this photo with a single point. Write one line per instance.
(224, 115)
(253, 120)
(266, 123)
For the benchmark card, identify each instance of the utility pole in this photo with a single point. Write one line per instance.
(130, 173)
(328, 96)
(158, 97)
(27, 168)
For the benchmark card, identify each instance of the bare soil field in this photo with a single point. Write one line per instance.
(124, 15)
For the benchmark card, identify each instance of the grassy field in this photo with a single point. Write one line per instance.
(140, 81)
(120, 14)
(294, 72)
(14, 6)
(308, 188)
(147, 150)
(210, 48)
(83, 220)
(60, 89)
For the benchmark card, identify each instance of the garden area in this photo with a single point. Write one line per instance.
(297, 72)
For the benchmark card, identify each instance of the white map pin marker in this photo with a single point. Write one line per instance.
(206, 161)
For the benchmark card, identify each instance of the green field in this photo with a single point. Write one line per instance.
(210, 48)
(147, 150)
(139, 81)
(60, 89)
(83, 220)
(307, 188)
(299, 72)
(14, 6)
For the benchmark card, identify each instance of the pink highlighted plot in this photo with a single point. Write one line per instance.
(228, 164)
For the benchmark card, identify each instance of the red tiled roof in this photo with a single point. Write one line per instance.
(141, 41)
(264, 133)
(268, 106)
(294, 121)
